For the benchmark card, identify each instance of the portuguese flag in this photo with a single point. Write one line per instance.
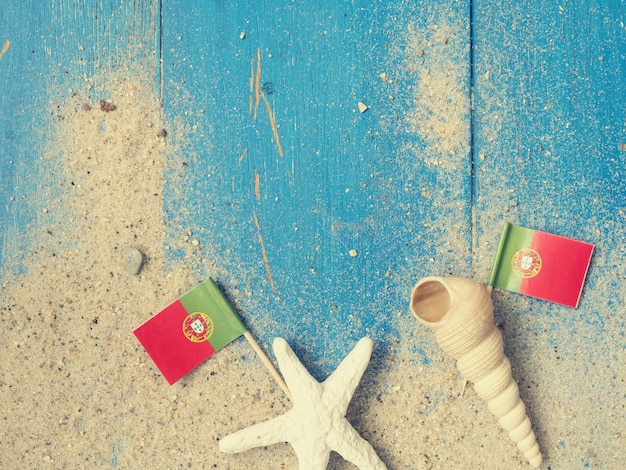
(541, 265)
(190, 330)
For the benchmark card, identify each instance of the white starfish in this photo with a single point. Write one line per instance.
(317, 424)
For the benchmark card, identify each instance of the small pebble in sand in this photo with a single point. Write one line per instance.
(107, 106)
(133, 260)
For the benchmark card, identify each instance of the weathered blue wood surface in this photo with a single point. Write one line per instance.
(55, 46)
(549, 152)
(343, 182)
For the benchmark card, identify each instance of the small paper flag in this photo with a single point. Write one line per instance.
(190, 330)
(541, 265)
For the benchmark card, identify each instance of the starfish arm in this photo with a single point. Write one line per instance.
(311, 455)
(316, 424)
(262, 434)
(342, 383)
(297, 377)
(351, 446)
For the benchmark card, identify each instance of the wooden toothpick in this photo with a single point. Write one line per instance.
(465, 382)
(268, 363)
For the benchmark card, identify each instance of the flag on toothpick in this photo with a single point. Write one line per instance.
(190, 330)
(541, 265)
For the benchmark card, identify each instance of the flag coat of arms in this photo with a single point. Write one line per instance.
(541, 265)
(190, 330)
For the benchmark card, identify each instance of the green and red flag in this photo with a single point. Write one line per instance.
(190, 330)
(542, 265)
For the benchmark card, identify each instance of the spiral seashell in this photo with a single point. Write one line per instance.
(460, 313)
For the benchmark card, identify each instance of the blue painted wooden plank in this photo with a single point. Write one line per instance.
(549, 154)
(20, 87)
(57, 48)
(557, 77)
(322, 238)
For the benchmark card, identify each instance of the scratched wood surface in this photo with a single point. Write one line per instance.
(49, 46)
(317, 218)
(322, 211)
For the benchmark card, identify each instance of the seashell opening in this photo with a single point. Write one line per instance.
(430, 300)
